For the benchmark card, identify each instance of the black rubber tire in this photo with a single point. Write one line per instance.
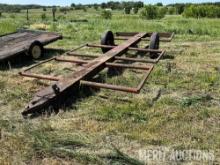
(36, 45)
(154, 44)
(107, 39)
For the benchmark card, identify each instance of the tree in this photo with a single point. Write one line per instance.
(44, 9)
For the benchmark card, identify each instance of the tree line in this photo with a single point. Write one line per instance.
(17, 8)
(180, 7)
(112, 5)
(156, 11)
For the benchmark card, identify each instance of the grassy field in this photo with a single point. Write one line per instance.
(178, 108)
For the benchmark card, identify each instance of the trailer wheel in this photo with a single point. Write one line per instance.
(154, 44)
(107, 39)
(36, 50)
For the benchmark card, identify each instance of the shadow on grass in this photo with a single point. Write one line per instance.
(22, 60)
(65, 102)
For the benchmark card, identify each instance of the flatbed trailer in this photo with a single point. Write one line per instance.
(30, 42)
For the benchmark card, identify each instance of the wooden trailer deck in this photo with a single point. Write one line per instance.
(20, 42)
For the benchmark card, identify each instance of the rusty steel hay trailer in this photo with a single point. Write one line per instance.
(113, 57)
(26, 41)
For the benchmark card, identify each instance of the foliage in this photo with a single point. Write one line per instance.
(159, 4)
(84, 9)
(17, 8)
(64, 9)
(198, 11)
(96, 6)
(127, 10)
(135, 10)
(43, 16)
(12, 16)
(153, 12)
(161, 12)
(120, 5)
(149, 12)
(171, 10)
(54, 9)
(106, 14)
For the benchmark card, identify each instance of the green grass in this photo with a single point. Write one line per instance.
(110, 127)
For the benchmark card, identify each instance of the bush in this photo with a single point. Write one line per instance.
(196, 11)
(106, 14)
(153, 12)
(161, 12)
(171, 10)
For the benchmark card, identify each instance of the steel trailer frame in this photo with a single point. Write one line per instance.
(55, 93)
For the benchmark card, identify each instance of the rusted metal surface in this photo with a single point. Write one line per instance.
(63, 86)
(137, 89)
(129, 48)
(164, 37)
(19, 42)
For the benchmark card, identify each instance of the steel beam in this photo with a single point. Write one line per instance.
(39, 76)
(109, 86)
(77, 61)
(164, 37)
(129, 48)
(81, 55)
(142, 39)
(118, 87)
(117, 65)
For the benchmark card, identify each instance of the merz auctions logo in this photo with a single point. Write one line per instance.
(171, 155)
